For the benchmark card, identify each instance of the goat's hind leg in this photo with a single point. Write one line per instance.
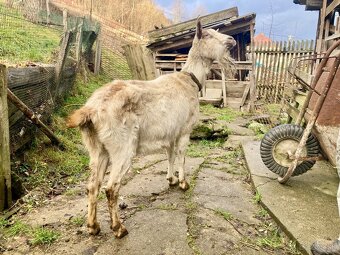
(172, 179)
(121, 154)
(118, 169)
(99, 159)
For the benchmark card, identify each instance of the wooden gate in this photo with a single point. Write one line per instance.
(272, 61)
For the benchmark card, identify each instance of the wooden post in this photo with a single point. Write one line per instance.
(252, 89)
(224, 89)
(48, 13)
(5, 166)
(65, 20)
(61, 60)
(98, 56)
(79, 41)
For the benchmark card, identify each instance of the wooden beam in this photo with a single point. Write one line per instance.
(79, 42)
(65, 20)
(48, 13)
(98, 57)
(65, 45)
(33, 117)
(5, 165)
(191, 24)
(332, 6)
(252, 88)
(224, 90)
(322, 17)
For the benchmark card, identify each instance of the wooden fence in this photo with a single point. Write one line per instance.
(272, 61)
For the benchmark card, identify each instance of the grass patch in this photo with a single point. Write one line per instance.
(270, 238)
(202, 148)
(24, 41)
(259, 129)
(37, 236)
(226, 114)
(78, 221)
(17, 229)
(44, 236)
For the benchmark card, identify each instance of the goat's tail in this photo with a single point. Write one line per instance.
(79, 117)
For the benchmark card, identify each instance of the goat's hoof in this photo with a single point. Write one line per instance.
(172, 180)
(93, 229)
(184, 185)
(120, 231)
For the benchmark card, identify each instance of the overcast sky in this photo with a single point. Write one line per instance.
(279, 18)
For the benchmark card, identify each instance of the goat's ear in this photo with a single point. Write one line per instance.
(199, 28)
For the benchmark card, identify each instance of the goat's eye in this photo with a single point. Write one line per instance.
(205, 35)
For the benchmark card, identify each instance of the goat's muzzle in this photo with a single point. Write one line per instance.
(230, 43)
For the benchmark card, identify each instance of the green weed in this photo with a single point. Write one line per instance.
(262, 213)
(203, 147)
(257, 197)
(226, 215)
(44, 236)
(272, 239)
(78, 221)
(18, 228)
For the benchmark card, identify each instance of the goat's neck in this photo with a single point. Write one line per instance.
(197, 65)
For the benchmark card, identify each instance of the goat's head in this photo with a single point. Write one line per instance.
(214, 46)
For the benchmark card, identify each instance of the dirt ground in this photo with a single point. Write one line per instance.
(219, 214)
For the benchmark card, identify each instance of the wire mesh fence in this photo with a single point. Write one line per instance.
(44, 47)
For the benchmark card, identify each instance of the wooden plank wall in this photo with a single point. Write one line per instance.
(272, 61)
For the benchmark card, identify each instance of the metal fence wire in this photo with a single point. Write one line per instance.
(39, 42)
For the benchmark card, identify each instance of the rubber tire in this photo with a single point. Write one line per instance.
(280, 133)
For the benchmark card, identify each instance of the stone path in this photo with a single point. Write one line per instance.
(217, 215)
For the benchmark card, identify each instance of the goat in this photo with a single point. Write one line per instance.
(126, 118)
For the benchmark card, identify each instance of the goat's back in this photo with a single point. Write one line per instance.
(161, 110)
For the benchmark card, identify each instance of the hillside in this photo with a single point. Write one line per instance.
(138, 16)
(23, 41)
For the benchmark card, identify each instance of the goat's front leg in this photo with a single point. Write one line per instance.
(182, 145)
(172, 179)
(98, 164)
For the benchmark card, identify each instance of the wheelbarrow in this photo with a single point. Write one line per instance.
(289, 149)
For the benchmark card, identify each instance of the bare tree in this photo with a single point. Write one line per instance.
(177, 10)
(200, 10)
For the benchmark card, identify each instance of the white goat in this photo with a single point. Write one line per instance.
(126, 118)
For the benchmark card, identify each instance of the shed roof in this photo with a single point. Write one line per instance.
(181, 35)
(311, 5)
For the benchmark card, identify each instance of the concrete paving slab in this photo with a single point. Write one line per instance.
(217, 236)
(152, 232)
(306, 206)
(218, 190)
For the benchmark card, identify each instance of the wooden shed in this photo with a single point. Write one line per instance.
(328, 31)
(169, 48)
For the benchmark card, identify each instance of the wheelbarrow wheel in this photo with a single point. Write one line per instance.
(283, 140)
